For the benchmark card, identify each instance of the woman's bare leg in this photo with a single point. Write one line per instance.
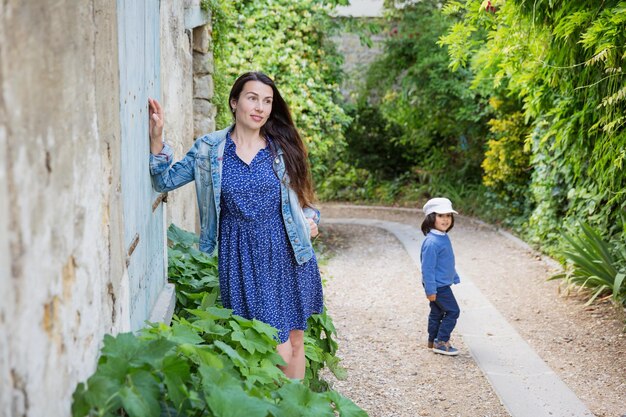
(292, 352)
(284, 350)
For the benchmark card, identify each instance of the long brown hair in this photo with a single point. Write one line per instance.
(280, 128)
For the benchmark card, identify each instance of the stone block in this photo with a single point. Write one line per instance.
(204, 108)
(203, 63)
(204, 113)
(202, 125)
(201, 39)
(203, 87)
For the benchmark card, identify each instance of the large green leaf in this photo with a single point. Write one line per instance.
(344, 406)
(182, 333)
(234, 402)
(213, 313)
(231, 353)
(227, 398)
(154, 351)
(202, 355)
(298, 400)
(114, 369)
(181, 237)
(210, 327)
(333, 364)
(140, 397)
(80, 405)
(124, 346)
(102, 393)
(252, 341)
(265, 372)
(175, 372)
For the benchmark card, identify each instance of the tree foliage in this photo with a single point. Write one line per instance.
(290, 42)
(374, 142)
(418, 129)
(434, 105)
(564, 61)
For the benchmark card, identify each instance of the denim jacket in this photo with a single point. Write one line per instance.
(203, 163)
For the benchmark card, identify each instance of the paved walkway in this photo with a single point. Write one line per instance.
(524, 382)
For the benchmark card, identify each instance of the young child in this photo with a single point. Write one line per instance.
(438, 274)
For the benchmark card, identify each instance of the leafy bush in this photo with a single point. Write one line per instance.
(594, 266)
(506, 163)
(345, 182)
(197, 286)
(208, 362)
(373, 143)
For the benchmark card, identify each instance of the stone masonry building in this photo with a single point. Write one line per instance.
(82, 233)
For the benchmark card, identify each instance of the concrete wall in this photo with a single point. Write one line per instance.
(6, 287)
(63, 278)
(357, 59)
(362, 8)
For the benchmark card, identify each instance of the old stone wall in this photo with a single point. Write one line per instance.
(357, 58)
(6, 287)
(177, 86)
(63, 277)
(59, 97)
(187, 80)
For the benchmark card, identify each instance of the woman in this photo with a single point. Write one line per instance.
(254, 196)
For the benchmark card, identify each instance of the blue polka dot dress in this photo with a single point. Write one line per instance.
(259, 275)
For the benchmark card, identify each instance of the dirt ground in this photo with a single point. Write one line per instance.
(374, 295)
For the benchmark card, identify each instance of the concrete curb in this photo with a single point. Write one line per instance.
(163, 309)
(524, 383)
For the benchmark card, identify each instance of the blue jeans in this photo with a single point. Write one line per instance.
(444, 312)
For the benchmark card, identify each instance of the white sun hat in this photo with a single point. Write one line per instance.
(438, 205)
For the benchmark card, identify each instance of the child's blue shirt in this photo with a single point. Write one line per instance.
(437, 262)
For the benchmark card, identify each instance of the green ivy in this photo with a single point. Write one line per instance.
(289, 41)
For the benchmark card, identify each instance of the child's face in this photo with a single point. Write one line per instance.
(443, 222)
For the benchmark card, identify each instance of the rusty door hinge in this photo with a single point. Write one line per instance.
(131, 249)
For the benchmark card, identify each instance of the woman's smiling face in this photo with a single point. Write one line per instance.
(254, 105)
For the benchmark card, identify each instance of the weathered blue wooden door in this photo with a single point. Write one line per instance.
(139, 56)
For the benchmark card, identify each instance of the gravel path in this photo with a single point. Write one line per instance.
(374, 296)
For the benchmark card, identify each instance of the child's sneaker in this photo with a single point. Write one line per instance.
(444, 348)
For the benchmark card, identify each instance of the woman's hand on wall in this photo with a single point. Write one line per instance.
(155, 111)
